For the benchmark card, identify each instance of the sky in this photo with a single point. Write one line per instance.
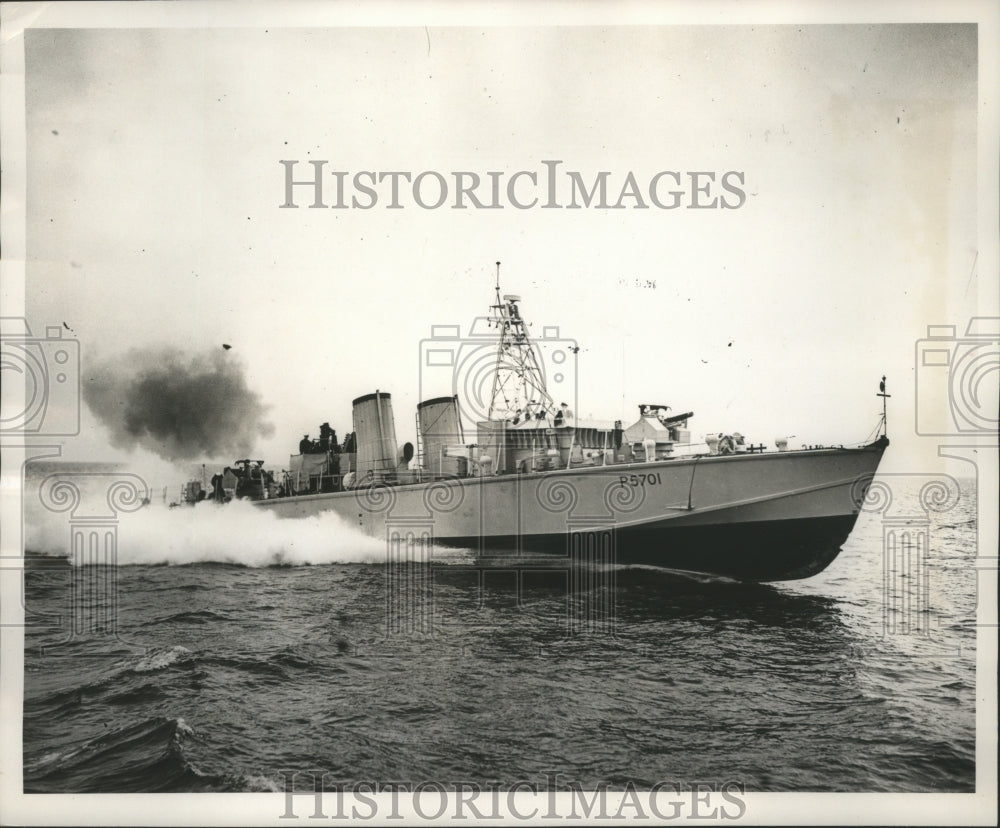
(154, 218)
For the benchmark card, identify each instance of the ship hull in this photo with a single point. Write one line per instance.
(780, 550)
(756, 517)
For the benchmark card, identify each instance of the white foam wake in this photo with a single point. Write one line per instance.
(237, 533)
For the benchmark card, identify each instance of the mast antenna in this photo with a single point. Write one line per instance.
(881, 393)
(498, 285)
(518, 379)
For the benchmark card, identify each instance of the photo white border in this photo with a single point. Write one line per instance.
(265, 808)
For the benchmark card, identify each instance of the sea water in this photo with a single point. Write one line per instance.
(231, 648)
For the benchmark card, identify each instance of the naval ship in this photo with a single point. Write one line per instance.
(534, 480)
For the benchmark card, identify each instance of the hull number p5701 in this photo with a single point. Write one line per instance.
(636, 480)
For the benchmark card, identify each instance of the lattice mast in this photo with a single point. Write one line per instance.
(518, 380)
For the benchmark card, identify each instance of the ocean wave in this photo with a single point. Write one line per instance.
(201, 616)
(148, 757)
(159, 659)
(68, 700)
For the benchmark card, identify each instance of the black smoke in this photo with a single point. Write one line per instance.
(176, 405)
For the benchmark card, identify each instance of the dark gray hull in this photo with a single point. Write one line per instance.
(780, 550)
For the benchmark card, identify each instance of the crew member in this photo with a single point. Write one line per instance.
(305, 444)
